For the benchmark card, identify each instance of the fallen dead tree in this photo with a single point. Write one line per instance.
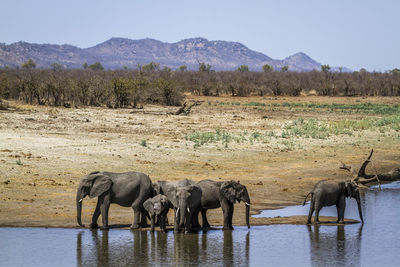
(363, 179)
(185, 110)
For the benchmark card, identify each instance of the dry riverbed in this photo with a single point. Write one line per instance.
(44, 151)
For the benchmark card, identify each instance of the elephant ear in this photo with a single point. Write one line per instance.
(149, 206)
(101, 184)
(228, 191)
(171, 195)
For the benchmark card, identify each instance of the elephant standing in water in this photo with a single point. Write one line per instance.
(169, 190)
(326, 193)
(158, 207)
(224, 195)
(187, 200)
(129, 189)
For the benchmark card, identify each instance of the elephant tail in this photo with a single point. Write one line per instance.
(305, 199)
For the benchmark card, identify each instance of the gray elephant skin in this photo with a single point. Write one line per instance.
(223, 194)
(164, 187)
(187, 200)
(327, 193)
(158, 208)
(129, 189)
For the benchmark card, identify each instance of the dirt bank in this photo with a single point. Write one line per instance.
(44, 152)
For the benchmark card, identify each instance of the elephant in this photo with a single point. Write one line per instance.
(223, 194)
(162, 187)
(128, 189)
(158, 207)
(187, 199)
(327, 193)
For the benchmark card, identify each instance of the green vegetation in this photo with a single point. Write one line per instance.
(363, 108)
(29, 64)
(143, 143)
(298, 128)
(19, 162)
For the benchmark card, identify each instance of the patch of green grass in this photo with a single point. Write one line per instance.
(143, 143)
(365, 108)
(306, 128)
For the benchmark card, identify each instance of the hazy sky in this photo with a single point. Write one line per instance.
(351, 33)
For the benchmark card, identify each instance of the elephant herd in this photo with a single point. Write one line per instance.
(147, 199)
(188, 199)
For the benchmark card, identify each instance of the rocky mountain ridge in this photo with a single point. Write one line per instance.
(117, 53)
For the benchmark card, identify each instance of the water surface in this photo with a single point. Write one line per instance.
(376, 243)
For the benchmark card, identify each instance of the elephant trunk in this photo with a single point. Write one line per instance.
(359, 208)
(182, 215)
(79, 208)
(246, 201)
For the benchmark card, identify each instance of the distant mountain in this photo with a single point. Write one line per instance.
(117, 53)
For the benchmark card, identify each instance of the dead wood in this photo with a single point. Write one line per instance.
(362, 178)
(186, 110)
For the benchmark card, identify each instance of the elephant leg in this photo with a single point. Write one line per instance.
(225, 205)
(136, 218)
(341, 206)
(143, 218)
(161, 219)
(95, 216)
(317, 209)
(204, 218)
(195, 220)
(137, 207)
(153, 218)
(231, 208)
(104, 207)
(310, 213)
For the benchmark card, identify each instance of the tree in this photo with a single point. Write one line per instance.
(96, 66)
(182, 68)
(203, 67)
(151, 67)
(285, 68)
(29, 64)
(56, 66)
(85, 65)
(243, 68)
(267, 68)
(325, 68)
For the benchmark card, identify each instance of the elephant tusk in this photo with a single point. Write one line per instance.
(80, 200)
(188, 210)
(247, 204)
(177, 210)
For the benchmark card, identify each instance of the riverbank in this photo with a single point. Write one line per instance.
(278, 147)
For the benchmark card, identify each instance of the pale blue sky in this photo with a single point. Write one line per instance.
(355, 34)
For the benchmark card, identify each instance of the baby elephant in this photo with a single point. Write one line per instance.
(327, 194)
(158, 207)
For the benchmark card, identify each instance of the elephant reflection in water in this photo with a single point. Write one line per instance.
(100, 252)
(327, 246)
(186, 249)
(93, 257)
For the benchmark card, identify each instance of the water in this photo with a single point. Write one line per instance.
(376, 243)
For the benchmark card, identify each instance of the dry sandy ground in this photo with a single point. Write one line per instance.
(45, 151)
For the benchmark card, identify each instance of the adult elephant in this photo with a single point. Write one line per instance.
(223, 194)
(187, 199)
(327, 193)
(128, 189)
(168, 189)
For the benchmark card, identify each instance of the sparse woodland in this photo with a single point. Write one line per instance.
(131, 88)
